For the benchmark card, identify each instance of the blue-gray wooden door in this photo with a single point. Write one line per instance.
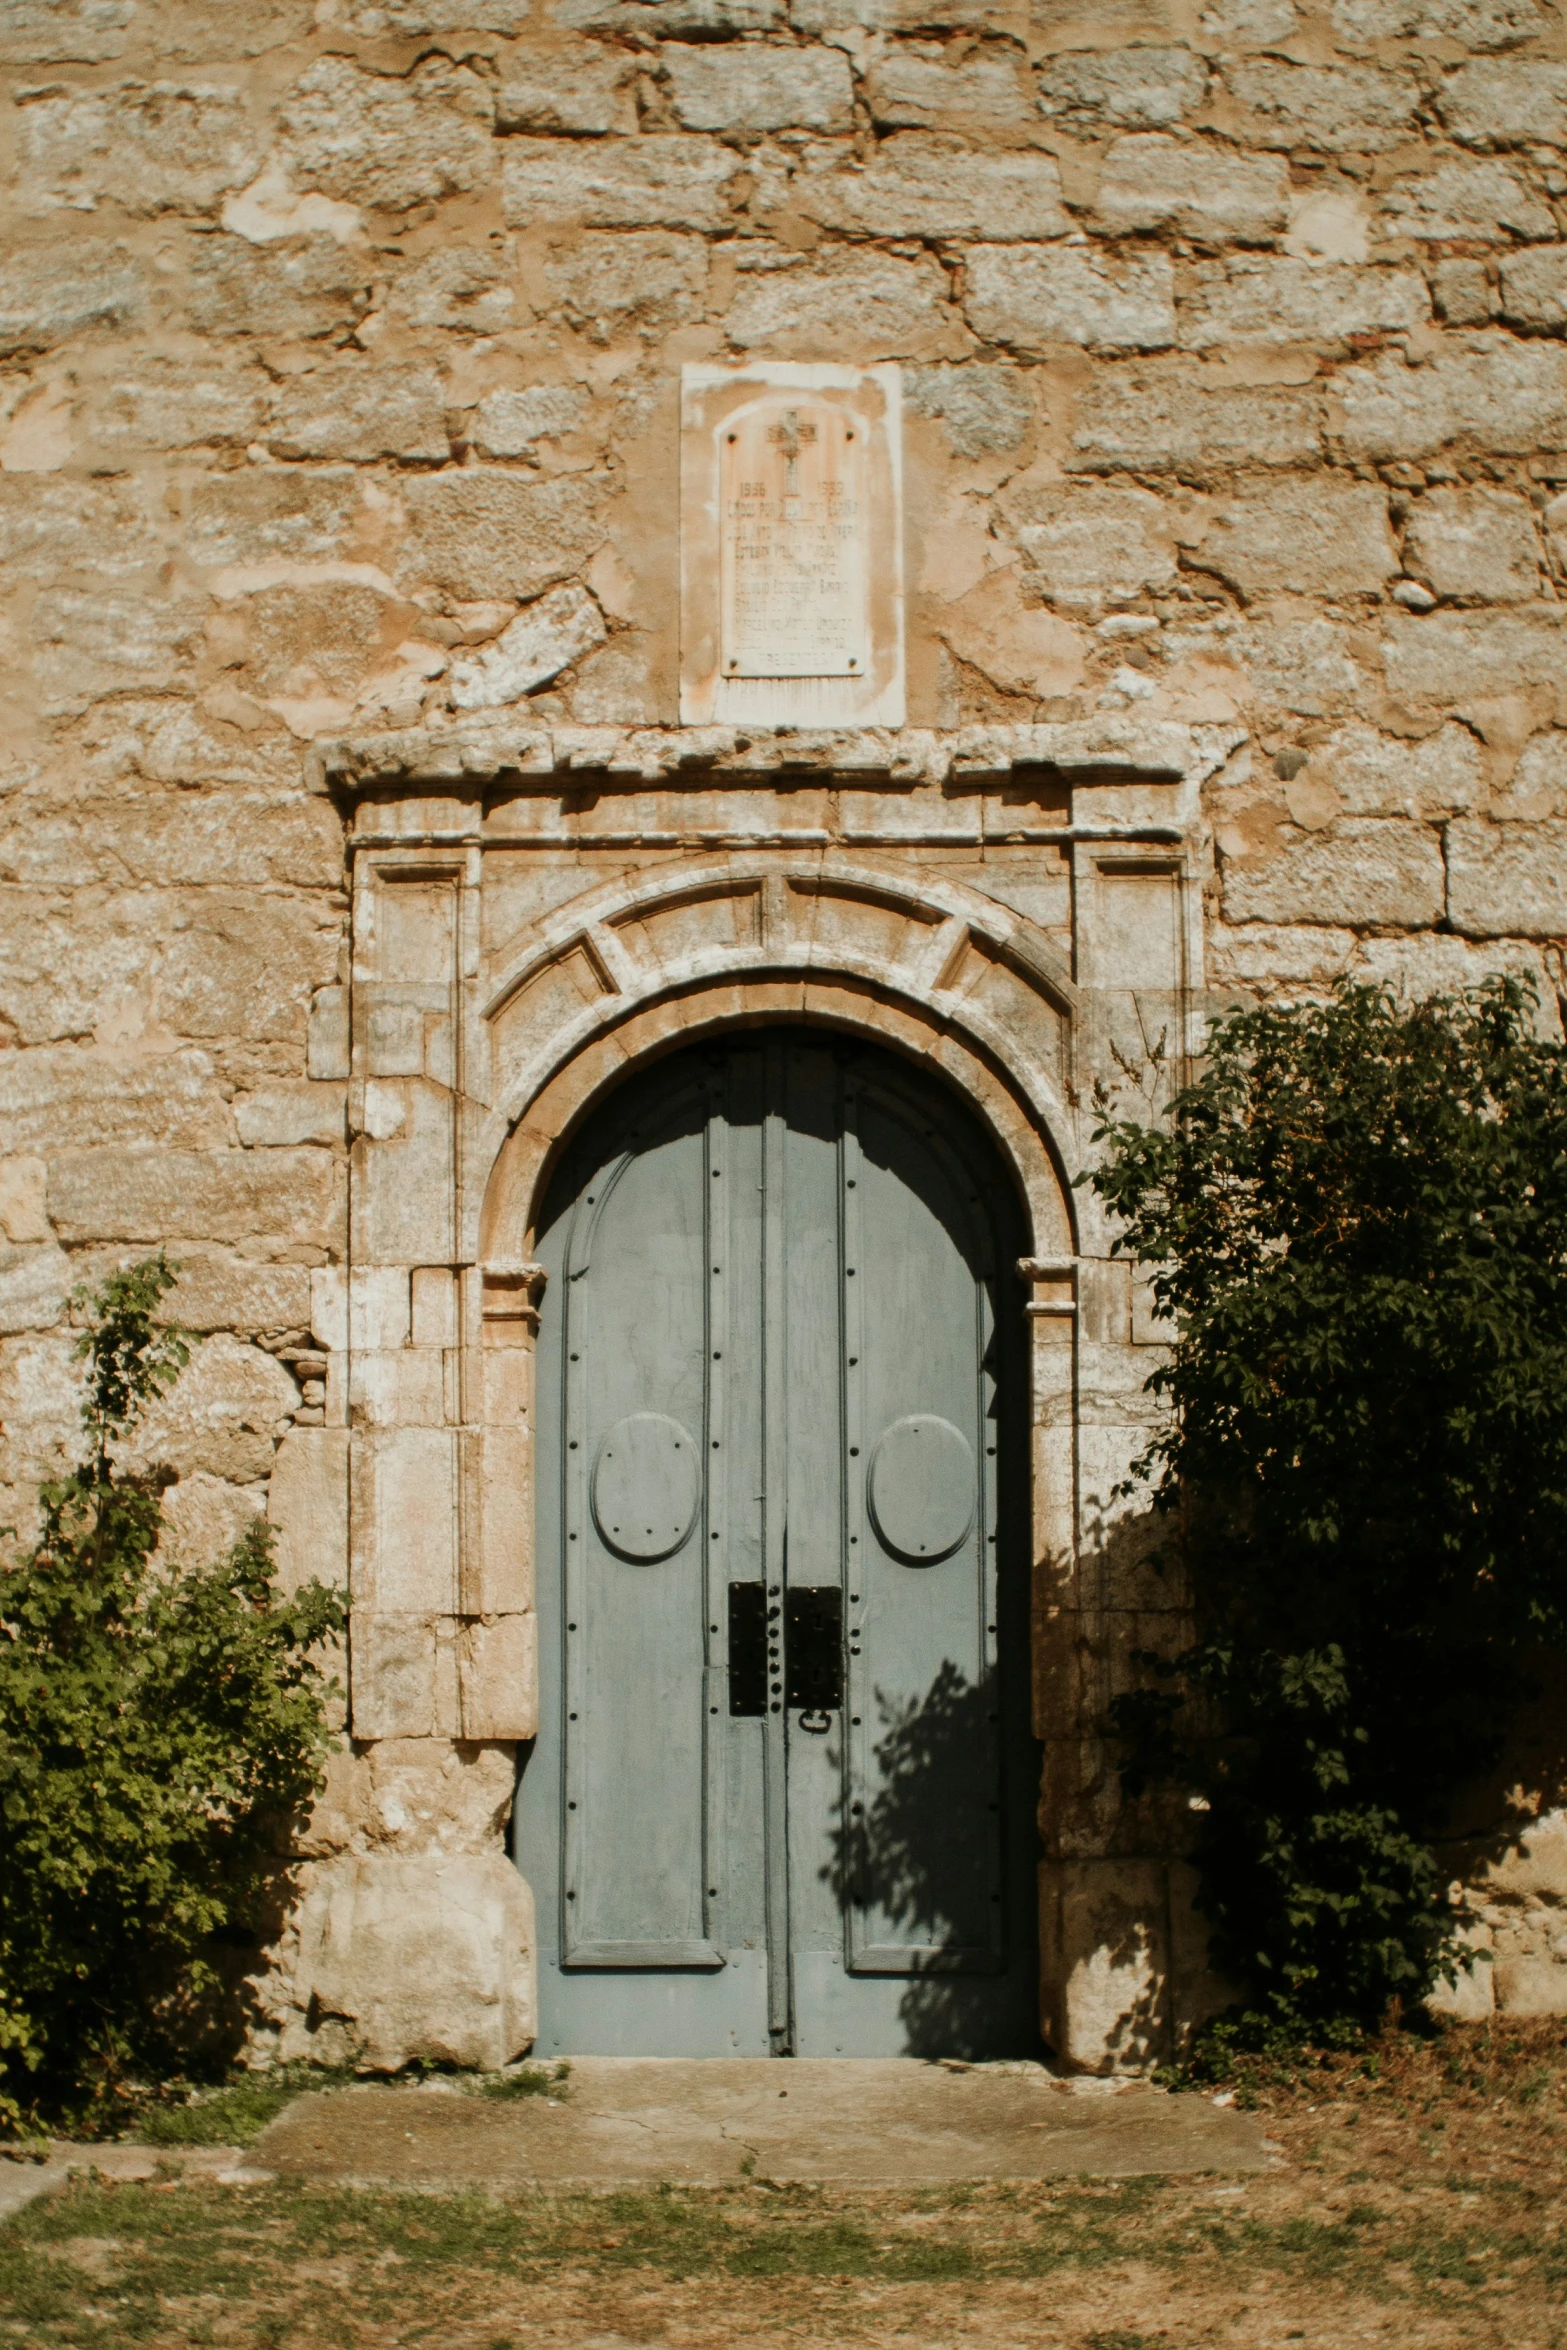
(783, 1790)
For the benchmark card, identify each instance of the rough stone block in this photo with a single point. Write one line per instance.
(299, 1110)
(1327, 107)
(1429, 963)
(366, 409)
(389, 143)
(981, 408)
(227, 1292)
(1368, 870)
(1534, 287)
(1536, 1985)
(47, 295)
(390, 1959)
(1506, 396)
(225, 1416)
(1478, 545)
(309, 286)
(464, 287)
(498, 1677)
(167, 147)
(92, 644)
(1031, 297)
(1092, 543)
(1150, 181)
(433, 1306)
(50, 528)
(647, 275)
(1136, 89)
(841, 305)
(404, 1489)
(1019, 647)
(286, 1198)
(1508, 880)
(1375, 774)
(203, 1517)
(268, 511)
(655, 181)
(35, 1281)
(327, 1034)
(916, 88)
(61, 32)
(1316, 536)
(511, 424)
(404, 1387)
(743, 86)
(1473, 24)
(60, 1097)
(480, 532)
(24, 1187)
(1258, 298)
(920, 185)
(1455, 658)
(162, 404)
(1104, 1962)
(1466, 197)
(1173, 416)
(1506, 102)
(586, 90)
(402, 1196)
(1462, 293)
(392, 1672)
(542, 641)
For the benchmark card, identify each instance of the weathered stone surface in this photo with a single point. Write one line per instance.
(1507, 880)
(1318, 537)
(649, 275)
(60, 1097)
(391, 1958)
(1091, 543)
(307, 1507)
(1329, 108)
(308, 286)
(1032, 297)
(298, 1110)
(1504, 395)
(1373, 774)
(1476, 24)
(1462, 293)
(204, 1516)
(92, 643)
(511, 424)
(720, 87)
(1534, 287)
(536, 646)
(480, 532)
(1477, 545)
(24, 1214)
(1466, 197)
(361, 411)
(377, 140)
(1472, 656)
(1366, 871)
(462, 286)
(1019, 647)
(286, 1198)
(1268, 299)
(54, 528)
(158, 404)
(47, 296)
(1174, 416)
(916, 88)
(35, 1282)
(587, 89)
(1506, 102)
(266, 512)
(225, 1415)
(58, 32)
(980, 407)
(163, 147)
(1137, 89)
(922, 185)
(1150, 181)
(845, 305)
(656, 181)
(218, 1290)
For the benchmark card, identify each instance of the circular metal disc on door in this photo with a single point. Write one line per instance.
(646, 1486)
(921, 1488)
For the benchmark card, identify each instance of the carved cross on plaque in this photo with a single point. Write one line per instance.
(793, 587)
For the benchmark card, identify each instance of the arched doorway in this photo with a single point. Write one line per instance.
(782, 1796)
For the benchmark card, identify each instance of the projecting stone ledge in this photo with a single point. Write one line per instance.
(1150, 751)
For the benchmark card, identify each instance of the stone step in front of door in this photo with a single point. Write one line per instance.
(865, 2122)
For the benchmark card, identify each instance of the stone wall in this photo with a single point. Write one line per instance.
(339, 368)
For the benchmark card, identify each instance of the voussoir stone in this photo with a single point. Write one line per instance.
(1314, 536)
(1031, 296)
(745, 86)
(1150, 182)
(485, 532)
(1366, 871)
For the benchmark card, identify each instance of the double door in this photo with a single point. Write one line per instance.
(782, 1794)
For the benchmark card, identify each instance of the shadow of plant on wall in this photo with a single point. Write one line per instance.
(907, 1878)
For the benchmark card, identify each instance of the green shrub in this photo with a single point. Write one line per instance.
(158, 1730)
(1357, 1220)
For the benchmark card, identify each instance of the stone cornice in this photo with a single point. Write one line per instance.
(1086, 751)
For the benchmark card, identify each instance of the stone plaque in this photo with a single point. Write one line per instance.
(791, 537)
(793, 582)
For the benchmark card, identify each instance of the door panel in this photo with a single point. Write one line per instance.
(782, 1793)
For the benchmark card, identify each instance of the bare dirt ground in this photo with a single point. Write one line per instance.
(1420, 2199)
